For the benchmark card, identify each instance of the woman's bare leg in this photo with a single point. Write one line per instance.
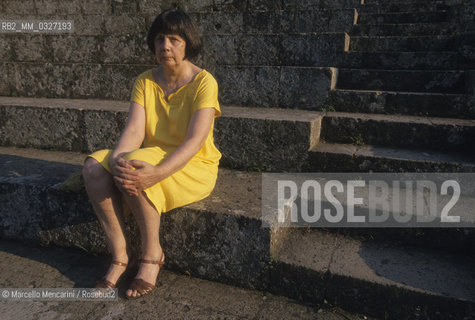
(148, 221)
(106, 201)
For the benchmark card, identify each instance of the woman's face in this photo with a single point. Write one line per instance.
(169, 49)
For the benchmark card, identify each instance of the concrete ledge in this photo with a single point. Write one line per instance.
(89, 125)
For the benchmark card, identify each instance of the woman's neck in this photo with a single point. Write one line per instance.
(177, 74)
(170, 79)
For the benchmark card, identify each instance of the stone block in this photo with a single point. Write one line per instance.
(262, 22)
(91, 24)
(49, 128)
(319, 4)
(26, 205)
(265, 5)
(260, 50)
(465, 44)
(27, 47)
(463, 14)
(295, 50)
(304, 88)
(227, 5)
(96, 6)
(340, 20)
(197, 5)
(50, 7)
(126, 49)
(220, 23)
(102, 129)
(125, 25)
(15, 8)
(74, 80)
(402, 80)
(119, 7)
(119, 80)
(6, 76)
(406, 132)
(406, 44)
(250, 86)
(6, 53)
(470, 82)
(66, 48)
(68, 7)
(274, 140)
(418, 104)
(319, 21)
(154, 7)
(312, 50)
(220, 49)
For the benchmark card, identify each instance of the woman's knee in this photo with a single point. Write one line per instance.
(146, 155)
(93, 171)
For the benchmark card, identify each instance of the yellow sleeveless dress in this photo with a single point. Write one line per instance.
(165, 129)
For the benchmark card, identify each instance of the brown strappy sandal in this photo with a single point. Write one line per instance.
(141, 286)
(131, 266)
(106, 284)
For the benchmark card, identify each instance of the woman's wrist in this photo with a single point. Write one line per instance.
(159, 173)
(113, 160)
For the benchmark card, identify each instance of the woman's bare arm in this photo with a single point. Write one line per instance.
(131, 139)
(198, 131)
(133, 134)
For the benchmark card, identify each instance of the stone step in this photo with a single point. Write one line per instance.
(179, 295)
(275, 139)
(331, 157)
(401, 17)
(449, 81)
(409, 2)
(401, 7)
(418, 60)
(403, 29)
(443, 134)
(405, 103)
(280, 86)
(398, 43)
(286, 261)
(356, 269)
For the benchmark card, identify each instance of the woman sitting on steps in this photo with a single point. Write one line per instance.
(171, 114)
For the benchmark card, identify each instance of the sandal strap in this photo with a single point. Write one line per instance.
(154, 261)
(119, 263)
(103, 283)
(141, 286)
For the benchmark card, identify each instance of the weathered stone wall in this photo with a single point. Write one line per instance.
(263, 53)
(269, 53)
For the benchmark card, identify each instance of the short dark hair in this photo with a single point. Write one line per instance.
(176, 21)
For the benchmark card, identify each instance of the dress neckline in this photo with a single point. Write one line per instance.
(167, 99)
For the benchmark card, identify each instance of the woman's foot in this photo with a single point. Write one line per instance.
(146, 277)
(116, 269)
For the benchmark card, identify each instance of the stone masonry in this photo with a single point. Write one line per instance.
(305, 86)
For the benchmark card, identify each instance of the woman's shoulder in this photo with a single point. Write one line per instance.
(206, 79)
(146, 75)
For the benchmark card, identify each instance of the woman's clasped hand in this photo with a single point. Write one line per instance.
(134, 176)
